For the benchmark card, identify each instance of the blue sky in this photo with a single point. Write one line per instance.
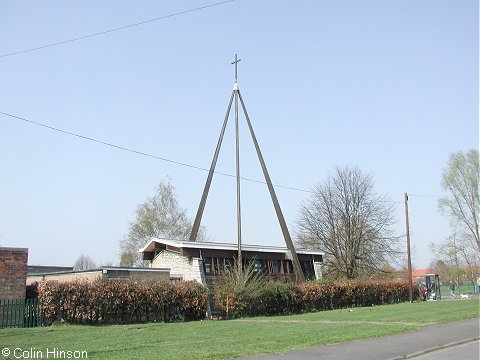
(390, 86)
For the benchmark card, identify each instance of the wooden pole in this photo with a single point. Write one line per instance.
(201, 206)
(237, 161)
(409, 259)
(297, 269)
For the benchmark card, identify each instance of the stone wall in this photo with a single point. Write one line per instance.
(190, 268)
(317, 267)
(13, 273)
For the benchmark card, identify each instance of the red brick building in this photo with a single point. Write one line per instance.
(13, 273)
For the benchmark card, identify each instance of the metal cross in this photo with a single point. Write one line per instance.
(236, 62)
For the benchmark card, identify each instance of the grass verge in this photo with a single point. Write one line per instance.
(226, 339)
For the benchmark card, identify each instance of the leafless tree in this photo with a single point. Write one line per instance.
(84, 262)
(158, 217)
(350, 223)
(457, 258)
(461, 180)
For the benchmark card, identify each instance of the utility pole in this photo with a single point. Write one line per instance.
(409, 259)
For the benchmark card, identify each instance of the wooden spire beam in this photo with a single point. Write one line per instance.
(203, 201)
(297, 269)
(198, 218)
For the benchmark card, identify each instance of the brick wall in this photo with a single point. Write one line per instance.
(13, 273)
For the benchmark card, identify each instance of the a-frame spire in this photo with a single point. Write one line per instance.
(288, 241)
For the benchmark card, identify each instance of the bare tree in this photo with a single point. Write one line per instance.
(460, 179)
(350, 223)
(158, 217)
(84, 262)
(457, 259)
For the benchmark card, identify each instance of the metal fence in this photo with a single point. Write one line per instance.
(21, 313)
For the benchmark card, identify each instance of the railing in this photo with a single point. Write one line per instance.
(21, 313)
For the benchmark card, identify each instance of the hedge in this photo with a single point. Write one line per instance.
(316, 297)
(117, 302)
(281, 298)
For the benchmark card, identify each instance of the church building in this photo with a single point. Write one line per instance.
(205, 261)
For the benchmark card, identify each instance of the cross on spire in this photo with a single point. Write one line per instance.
(235, 62)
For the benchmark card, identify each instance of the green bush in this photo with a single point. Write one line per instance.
(114, 302)
(280, 298)
(31, 291)
(237, 289)
(272, 299)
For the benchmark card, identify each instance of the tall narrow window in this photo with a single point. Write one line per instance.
(207, 263)
(276, 267)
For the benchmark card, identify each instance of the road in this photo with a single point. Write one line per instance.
(426, 341)
(470, 350)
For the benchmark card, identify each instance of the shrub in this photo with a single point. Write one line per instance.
(281, 298)
(272, 299)
(31, 291)
(237, 289)
(112, 302)
(315, 297)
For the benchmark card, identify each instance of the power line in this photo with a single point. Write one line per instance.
(123, 148)
(426, 195)
(116, 29)
(141, 153)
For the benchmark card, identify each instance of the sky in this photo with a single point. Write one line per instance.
(389, 86)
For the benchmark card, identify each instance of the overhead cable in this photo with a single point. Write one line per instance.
(119, 147)
(115, 29)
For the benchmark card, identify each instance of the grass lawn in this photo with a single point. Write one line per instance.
(421, 313)
(225, 339)
(462, 289)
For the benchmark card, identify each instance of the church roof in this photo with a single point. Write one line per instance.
(150, 247)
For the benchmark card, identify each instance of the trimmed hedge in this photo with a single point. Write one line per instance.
(316, 297)
(281, 298)
(273, 299)
(119, 302)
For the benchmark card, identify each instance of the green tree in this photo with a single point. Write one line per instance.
(457, 259)
(460, 180)
(127, 258)
(460, 252)
(158, 217)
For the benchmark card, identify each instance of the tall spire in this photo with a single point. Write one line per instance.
(235, 97)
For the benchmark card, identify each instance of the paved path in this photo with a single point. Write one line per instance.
(401, 346)
(469, 350)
